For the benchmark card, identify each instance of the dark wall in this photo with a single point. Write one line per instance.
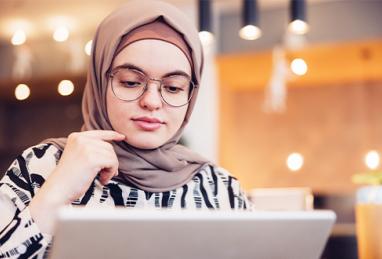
(23, 124)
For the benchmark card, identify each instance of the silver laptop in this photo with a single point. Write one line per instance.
(148, 234)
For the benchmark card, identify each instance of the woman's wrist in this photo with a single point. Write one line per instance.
(43, 212)
(52, 194)
(47, 200)
(46, 203)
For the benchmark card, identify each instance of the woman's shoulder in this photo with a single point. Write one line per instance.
(42, 151)
(215, 171)
(224, 185)
(38, 158)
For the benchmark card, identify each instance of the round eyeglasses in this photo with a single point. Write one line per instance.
(129, 85)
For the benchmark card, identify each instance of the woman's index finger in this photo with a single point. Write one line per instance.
(106, 135)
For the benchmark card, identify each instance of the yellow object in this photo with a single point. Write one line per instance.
(369, 230)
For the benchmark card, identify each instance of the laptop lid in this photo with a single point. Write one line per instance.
(147, 234)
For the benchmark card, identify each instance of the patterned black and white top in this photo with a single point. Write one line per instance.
(20, 237)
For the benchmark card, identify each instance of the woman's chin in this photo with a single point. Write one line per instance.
(146, 143)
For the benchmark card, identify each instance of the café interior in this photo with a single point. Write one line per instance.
(289, 100)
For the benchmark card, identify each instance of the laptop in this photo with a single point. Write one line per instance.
(166, 234)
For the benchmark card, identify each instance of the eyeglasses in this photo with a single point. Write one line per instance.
(129, 85)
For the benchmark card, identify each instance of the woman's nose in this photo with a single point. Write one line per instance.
(151, 99)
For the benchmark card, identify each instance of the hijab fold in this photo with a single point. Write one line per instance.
(171, 165)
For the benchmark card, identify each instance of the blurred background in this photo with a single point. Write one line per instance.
(290, 96)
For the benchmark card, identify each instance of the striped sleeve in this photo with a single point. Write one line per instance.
(20, 236)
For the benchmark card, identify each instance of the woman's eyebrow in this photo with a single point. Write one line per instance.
(177, 73)
(172, 73)
(131, 66)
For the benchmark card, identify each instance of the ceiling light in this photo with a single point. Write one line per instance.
(205, 32)
(298, 24)
(250, 29)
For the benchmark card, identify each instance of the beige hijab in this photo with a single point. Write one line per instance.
(171, 165)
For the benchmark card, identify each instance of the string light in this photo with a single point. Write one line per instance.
(22, 92)
(61, 34)
(65, 87)
(299, 66)
(18, 38)
(295, 161)
(372, 159)
(88, 47)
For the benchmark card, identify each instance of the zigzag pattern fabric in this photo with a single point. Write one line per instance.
(20, 237)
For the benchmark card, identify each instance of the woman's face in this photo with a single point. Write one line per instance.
(148, 122)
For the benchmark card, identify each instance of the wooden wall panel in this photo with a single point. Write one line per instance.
(333, 117)
(333, 127)
(328, 64)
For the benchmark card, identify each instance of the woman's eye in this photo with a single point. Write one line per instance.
(173, 89)
(130, 84)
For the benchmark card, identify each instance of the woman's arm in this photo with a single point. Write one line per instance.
(20, 236)
(35, 187)
(86, 155)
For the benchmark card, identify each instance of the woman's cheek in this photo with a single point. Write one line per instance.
(178, 117)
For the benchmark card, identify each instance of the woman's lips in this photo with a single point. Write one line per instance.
(147, 123)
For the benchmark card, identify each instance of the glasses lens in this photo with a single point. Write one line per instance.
(128, 84)
(176, 90)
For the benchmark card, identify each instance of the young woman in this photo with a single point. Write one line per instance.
(143, 80)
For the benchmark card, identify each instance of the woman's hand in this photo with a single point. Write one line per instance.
(85, 155)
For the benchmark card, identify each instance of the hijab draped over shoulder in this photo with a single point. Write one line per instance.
(171, 165)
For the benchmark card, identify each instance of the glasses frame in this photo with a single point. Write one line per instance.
(114, 71)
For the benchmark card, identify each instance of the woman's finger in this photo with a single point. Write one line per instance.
(106, 135)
